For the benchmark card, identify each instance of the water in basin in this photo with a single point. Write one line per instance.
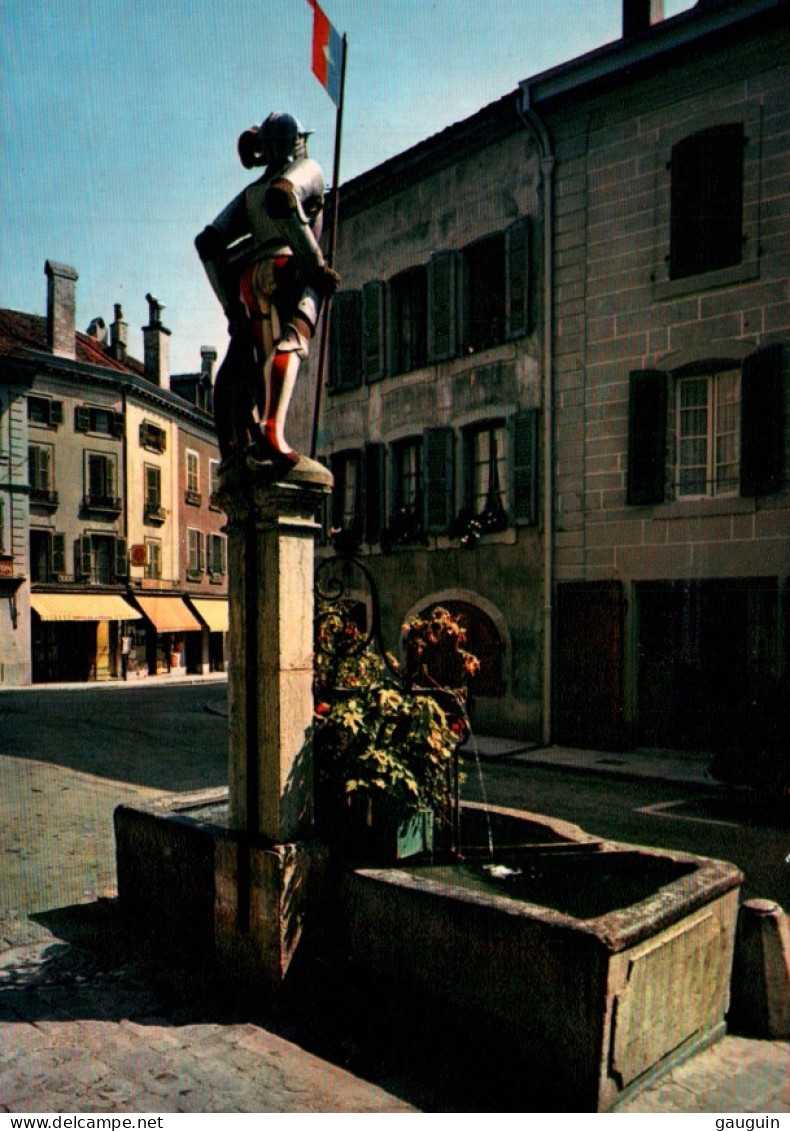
(584, 885)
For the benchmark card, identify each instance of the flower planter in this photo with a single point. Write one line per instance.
(374, 829)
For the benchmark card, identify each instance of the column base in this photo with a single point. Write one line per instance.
(185, 877)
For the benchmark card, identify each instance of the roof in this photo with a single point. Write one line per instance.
(20, 332)
(666, 42)
(23, 342)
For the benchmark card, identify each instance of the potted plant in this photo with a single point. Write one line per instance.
(384, 737)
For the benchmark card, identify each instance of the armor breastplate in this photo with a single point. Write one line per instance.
(269, 234)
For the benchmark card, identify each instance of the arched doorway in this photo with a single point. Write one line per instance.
(483, 641)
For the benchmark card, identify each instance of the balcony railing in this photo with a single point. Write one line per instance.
(109, 504)
(154, 514)
(193, 498)
(44, 497)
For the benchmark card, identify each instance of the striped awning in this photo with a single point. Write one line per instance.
(82, 606)
(214, 613)
(169, 614)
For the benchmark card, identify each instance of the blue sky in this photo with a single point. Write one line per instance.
(120, 119)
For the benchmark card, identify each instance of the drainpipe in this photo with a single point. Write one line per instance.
(537, 128)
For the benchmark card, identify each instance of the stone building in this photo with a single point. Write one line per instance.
(93, 493)
(561, 336)
(429, 424)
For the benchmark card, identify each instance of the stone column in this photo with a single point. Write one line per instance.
(264, 874)
(271, 537)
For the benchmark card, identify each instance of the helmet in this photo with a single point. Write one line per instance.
(275, 141)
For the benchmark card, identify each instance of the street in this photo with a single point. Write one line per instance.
(67, 758)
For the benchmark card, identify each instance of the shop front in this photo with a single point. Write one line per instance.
(78, 637)
(169, 625)
(213, 612)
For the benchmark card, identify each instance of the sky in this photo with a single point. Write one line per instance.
(120, 118)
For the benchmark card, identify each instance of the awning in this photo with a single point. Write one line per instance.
(214, 613)
(82, 606)
(169, 614)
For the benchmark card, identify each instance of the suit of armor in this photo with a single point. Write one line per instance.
(263, 259)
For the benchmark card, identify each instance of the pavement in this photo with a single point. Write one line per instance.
(94, 1020)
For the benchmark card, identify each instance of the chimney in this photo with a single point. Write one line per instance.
(97, 330)
(640, 15)
(208, 359)
(61, 306)
(119, 335)
(156, 345)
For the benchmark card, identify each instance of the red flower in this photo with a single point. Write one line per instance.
(322, 708)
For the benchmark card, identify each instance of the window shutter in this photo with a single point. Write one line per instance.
(517, 279)
(438, 474)
(56, 412)
(762, 418)
(337, 466)
(58, 553)
(647, 436)
(706, 203)
(443, 305)
(374, 322)
(524, 441)
(374, 482)
(346, 341)
(121, 558)
(117, 425)
(85, 548)
(82, 418)
(201, 553)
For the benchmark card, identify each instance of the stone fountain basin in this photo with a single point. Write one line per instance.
(603, 964)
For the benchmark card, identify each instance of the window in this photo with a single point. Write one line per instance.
(40, 469)
(706, 201)
(486, 487)
(727, 427)
(2, 527)
(495, 288)
(347, 493)
(154, 511)
(103, 421)
(47, 555)
(42, 410)
(153, 569)
(408, 476)
(408, 300)
(217, 555)
(194, 553)
(708, 435)
(101, 483)
(213, 483)
(100, 558)
(193, 479)
(152, 437)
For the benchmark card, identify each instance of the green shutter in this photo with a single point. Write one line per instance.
(647, 436)
(121, 558)
(56, 412)
(443, 276)
(375, 456)
(58, 553)
(346, 341)
(82, 418)
(524, 439)
(374, 322)
(517, 279)
(762, 422)
(438, 475)
(85, 547)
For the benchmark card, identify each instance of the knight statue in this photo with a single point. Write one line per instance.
(264, 261)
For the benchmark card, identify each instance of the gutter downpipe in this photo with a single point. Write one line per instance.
(533, 123)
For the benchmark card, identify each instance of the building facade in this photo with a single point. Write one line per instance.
(605, 416)
(430, 420)
(672, 323)
(93, 501)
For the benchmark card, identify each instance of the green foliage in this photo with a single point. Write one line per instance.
(375, 734)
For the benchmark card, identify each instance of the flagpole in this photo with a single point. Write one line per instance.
(335, 190)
